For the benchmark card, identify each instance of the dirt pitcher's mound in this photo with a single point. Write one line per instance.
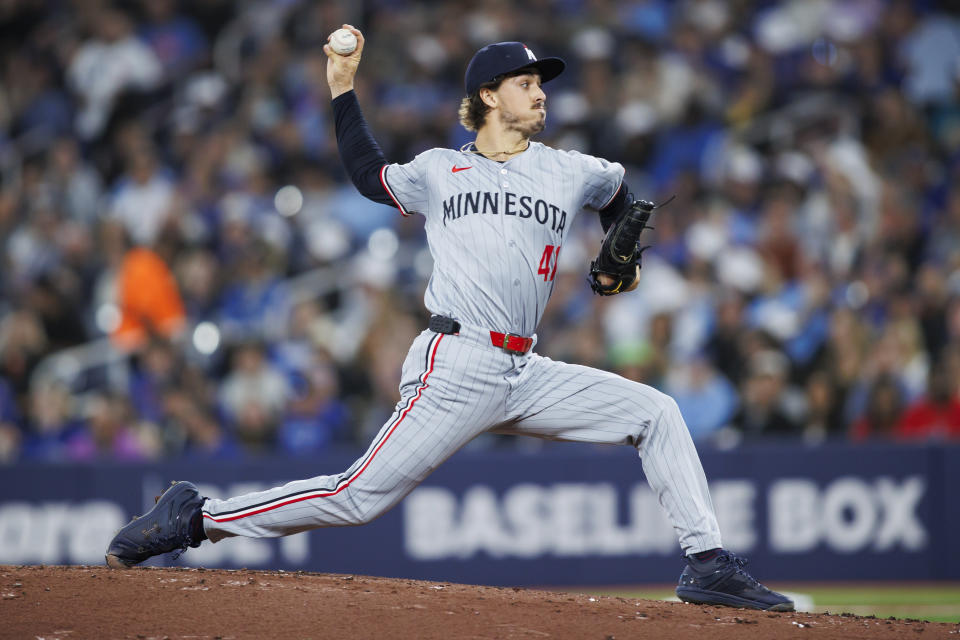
(97, 602)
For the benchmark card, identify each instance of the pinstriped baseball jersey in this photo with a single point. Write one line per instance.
(496, 229)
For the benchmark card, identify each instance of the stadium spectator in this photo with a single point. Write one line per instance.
(54, 434)
(190, 424)
(936, 415)
(198, 279)
(143, 198)
(765, 408)
(823, 413)
(316, 418)
(176, 40)
(256, 303)
(253, 397)
(40, 108)
(76, 187)
(109, 432)
(10, 424)
(883, 411)
(707, 400)
(23, 341)
(158, 371)
(106, 67)
(148, 298)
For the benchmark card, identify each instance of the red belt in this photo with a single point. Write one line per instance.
(511, 342)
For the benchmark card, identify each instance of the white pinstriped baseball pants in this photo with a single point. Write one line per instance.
(455, 387)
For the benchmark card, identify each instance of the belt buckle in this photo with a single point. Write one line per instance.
(506, 341)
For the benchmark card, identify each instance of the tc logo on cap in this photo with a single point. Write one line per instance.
(530, 53)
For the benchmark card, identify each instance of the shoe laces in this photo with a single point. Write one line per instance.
(739, 563)
(736, 560)
(179, 550)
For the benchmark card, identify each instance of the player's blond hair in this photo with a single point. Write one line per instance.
(473, 110)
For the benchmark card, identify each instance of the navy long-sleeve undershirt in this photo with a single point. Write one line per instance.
(614, 208)
(359, 152)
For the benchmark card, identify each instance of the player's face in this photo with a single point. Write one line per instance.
(522, 104)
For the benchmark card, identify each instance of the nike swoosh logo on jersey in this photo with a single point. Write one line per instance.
(456, 168)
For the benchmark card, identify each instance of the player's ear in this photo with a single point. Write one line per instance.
(489, 97)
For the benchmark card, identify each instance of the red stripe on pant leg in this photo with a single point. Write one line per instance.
(362, 469)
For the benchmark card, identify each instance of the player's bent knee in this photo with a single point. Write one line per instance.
(363, 511)
(359, 514)
(356, 517)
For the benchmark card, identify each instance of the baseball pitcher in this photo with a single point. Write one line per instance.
(497, 213)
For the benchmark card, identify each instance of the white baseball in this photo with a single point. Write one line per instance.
(342, 41)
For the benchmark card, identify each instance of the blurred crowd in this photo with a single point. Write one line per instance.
(186, 270)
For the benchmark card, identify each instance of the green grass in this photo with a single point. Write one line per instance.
(934, 602)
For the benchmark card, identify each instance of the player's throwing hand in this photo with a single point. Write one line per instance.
(341, 69)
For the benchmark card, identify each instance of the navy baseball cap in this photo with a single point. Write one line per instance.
(506, 57)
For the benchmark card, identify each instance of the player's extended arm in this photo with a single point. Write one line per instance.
(360, 153)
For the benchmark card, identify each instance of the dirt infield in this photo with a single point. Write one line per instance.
(96, 602)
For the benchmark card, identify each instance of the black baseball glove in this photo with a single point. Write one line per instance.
(620, 252)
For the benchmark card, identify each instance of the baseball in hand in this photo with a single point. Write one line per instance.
(342, 41)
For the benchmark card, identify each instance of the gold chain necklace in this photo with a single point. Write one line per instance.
(471, 147)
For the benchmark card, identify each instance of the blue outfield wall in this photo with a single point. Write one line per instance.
(570, 515)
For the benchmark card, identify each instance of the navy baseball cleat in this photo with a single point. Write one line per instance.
(174, 523)
(721, 579)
